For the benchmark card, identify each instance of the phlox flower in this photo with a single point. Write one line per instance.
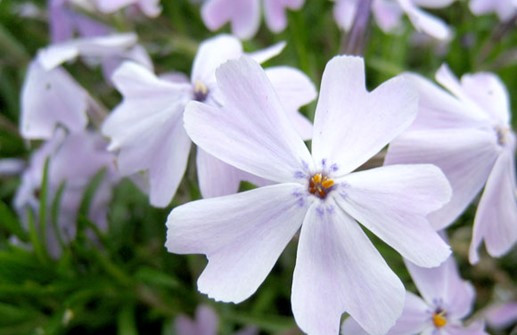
(446, 301)
(74, 159)
(244, 15)
(147, 127)
(504, 9)
(65, 22)
(388, 13)
(205, 324)
(468, 135)
(51, 97)
(337, 268)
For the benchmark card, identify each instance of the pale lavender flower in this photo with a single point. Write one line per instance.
(502, 315)
(468, 135)
(244, 15)
(446, 301)
(337, 267)
(51, 98)
(74, 159)
(205, 324)
(504, 9)
(147, 127)
(65, 22)
(388, 13)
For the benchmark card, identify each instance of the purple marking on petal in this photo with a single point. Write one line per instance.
(299, 174)
(323, 162)
(334, 167)
(320, 210)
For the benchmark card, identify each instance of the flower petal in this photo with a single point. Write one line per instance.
(392, 202)
(56, 54)
(274, 11)
(414, 318)
(50, 98)
(487, 90)
(496, 216)
(294, 90)
(216, 178)
(212, 53)
(346, 111)
(242, 235)
(260, 56)
(344, 13)
(502, 315)
(337, 270)
(465, 156)
(251, 131)
(387, 14)
(244, 16)
(425, 22)
(147, 130)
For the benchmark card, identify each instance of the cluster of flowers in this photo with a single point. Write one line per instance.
(445, 145)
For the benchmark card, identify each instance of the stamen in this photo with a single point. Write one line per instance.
(320, 185)
(200, 91)
(439, 319)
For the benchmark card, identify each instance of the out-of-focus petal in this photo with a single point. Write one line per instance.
(244, 16)
(294, 90)
(242, 235)
(502, 316)
(274, 11)
(344, 13)
(51, 98)
(433, 3)
(476, 328)
(11, 166)
(205, 323)
(387, 14)
(351, 125)
(56, 54)
(465, 156)
(251, 131)
(392, 202)
(337, 270)
(496, 217)
(440, 109)
(425, 22)
(487, 90)
(150, 8)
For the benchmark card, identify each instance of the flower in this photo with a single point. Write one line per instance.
(74, 159)
(467, 134)
(205, 324)
(147, 127)
(504, 9)
(150, 8)
(337, 267)
(244, 15)
(387, 13)
(446, 300)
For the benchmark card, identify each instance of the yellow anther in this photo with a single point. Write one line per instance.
(327, 183)
(439, 320)
(201, 88)
(316, 178)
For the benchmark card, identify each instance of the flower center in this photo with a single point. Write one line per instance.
(439, 318)
(200, 91)
(320, 185)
